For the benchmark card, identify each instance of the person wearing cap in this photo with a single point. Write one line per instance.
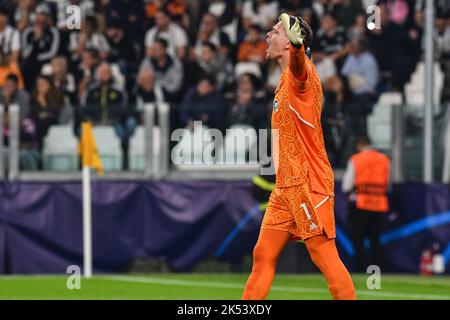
(40, 43)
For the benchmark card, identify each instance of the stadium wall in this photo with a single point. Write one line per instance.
(184, 223)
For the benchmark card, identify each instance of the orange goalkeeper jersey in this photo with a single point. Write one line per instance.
(298, 147)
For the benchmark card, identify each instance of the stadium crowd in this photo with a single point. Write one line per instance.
(206, 58)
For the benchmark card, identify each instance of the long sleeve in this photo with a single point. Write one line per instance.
(53, 48)
(297, 63)
(348, 180)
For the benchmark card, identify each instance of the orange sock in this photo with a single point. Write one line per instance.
(265, 256)
(325, 256)
(323, 253)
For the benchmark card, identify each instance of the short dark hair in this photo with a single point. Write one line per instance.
(92, 20)
(255, 27)
(163, 42)
(93, 52)
(164, 11)
(209, 78)
(364, 140)
(363, 43)
(210, 45)
(113, 23)
(4, 11)
(12, 77)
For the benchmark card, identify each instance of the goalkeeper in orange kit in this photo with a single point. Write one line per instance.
(302, 204)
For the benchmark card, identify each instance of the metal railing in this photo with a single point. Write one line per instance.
(156, 164)
(157, 161)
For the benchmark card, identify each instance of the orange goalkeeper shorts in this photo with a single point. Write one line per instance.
(300, 212)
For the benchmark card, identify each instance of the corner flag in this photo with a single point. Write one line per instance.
(88, 148)
(90, 159)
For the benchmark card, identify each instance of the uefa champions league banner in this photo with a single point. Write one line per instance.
(184, 223)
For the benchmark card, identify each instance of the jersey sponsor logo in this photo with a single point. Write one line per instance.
(275, 105)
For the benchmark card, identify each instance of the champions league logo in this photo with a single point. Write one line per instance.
(275, 105)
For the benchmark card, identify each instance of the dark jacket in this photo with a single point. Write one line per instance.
(195, 107)
(104, 104)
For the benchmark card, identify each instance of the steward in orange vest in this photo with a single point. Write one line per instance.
(366, 181)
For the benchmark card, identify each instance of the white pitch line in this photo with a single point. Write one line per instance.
(209, 284)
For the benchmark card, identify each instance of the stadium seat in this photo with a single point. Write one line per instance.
(247, 67)
(109, 148)
(60, 149)
(390, 98)
(415, 90)
(136, 152)
(379, 122)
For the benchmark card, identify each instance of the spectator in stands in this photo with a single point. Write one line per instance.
(260, 12)
(84, 75)
(224, 11)
(360, 67)
(130, 16)
(346, 11)
(105, 103)
(40, 44)
(246, 111)
(122, 50)
(8, 67)
(329, 42)
(145, 92)
(175, 37)
(248, 81)
(357, 29)
(46, 104)
(443, 51)
(212, 63)
(335, 114)
(253, 48)
(203, 103)
(361, 70)
(209, 31)
(11, 93)
(62, 79)
(9, 37)
(90, 38)
(24, 14)
(394, 48)
(177, 10)
(168, 70)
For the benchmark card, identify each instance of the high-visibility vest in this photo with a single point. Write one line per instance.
(371, 180)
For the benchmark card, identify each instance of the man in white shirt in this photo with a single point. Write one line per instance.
(165, 29)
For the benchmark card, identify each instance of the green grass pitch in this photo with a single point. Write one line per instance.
(214, 286)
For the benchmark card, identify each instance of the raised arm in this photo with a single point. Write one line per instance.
(296, 35)
(297, 63)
